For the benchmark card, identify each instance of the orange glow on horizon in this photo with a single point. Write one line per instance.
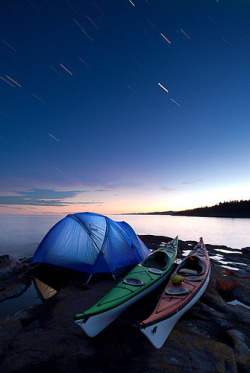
(132, 201)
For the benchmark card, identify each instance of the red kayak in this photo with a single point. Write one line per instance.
(186, 286)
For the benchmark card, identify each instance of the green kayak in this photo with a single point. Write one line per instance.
(141, 280)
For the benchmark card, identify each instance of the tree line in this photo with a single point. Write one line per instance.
(232, 209)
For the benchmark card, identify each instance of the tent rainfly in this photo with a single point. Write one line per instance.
(92, 244)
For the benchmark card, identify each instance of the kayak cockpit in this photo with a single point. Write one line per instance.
(191, 266)
(158, 260)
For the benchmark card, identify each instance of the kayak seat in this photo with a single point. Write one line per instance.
(158, 260)
(188, 271)
(177, 291)
(191, 266)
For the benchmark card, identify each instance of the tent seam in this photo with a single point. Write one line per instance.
(85, 228)
(104, 241)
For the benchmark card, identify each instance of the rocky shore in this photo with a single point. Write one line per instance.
(213, 336)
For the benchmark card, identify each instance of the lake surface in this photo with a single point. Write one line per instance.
(21, 234)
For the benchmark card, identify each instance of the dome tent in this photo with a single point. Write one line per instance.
(92, 244)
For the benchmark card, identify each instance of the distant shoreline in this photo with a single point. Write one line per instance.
(194, 216)
(233, 209)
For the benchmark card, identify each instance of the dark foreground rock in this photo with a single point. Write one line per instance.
(213, 336)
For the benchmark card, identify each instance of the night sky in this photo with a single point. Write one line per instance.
(116, 106)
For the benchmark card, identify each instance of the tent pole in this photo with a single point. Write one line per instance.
(89, 278)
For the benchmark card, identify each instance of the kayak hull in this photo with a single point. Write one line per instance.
(179, 298)
(140, 281)
(96, 323)
(158, 333)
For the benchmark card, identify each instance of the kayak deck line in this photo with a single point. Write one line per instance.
(85, 317)
(165, 327)
(142, 325)
(186, 286)
(141, 271)
(151, 272)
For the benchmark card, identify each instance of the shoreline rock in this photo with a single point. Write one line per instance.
(211, 336)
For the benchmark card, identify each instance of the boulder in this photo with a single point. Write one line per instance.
(225, 285)
(241, 349)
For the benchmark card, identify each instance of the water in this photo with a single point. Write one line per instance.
(26, 300)
(234, 233)
(237, 303)
(21, 234)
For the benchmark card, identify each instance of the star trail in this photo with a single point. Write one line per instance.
(124, 103)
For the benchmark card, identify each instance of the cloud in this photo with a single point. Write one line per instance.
(87, 203)
(191, 182)
(103, 190)
(50, 194)
(43, 197)
(167, 189)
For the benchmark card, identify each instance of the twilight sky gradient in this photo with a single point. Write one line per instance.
(116, 106)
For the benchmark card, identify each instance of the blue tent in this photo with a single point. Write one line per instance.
(91, 243)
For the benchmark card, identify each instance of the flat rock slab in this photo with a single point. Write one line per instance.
(213, 336)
